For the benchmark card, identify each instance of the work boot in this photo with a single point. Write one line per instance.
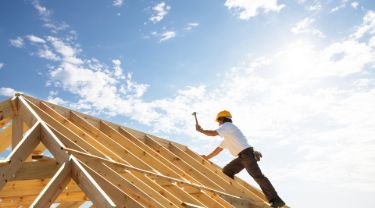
(277, 202)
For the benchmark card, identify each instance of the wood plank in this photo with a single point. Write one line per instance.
(5, 121)
(19, 154)
(31, 188)
(218, 170)
(5, 138)
(118, 151)
(70, 204)
(191, 188)
(122, 188)
(7, 112)
(54, 187)
(226, 182)
(89, 185)
(32, 170)
(26, 200)
(17, 130)
(182, 164)
(51, 121)
(139, 179)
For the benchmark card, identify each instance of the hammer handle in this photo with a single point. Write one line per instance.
(196, 120)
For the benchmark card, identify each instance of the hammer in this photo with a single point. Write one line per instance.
(195, 116)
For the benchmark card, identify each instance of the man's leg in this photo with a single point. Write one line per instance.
(253, 169)
(234, 167)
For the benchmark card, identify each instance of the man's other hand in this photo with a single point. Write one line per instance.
(198, 128)
(257, 155)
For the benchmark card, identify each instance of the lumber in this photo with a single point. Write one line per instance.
(19, 154)
(54, 187)
(105, 163)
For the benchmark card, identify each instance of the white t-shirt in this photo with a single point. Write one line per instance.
(234, 140)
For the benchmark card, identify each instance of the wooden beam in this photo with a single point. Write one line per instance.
(123, 191)
(117, 150)
(195, 187)
(70, 204)
(182, 164)
(5, 138)
(89, 185)
(36, 170)
(19, 154)
(141, 150)
(54, 187)
(26, 200)
(229, 185)
(17, 130)
(58, 125)
(6, 112)
(216, 169)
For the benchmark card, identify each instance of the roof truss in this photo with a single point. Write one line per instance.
(105, 163)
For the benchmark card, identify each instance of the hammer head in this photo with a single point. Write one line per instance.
(194, 113)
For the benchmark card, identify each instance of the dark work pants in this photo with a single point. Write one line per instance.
(246, 160)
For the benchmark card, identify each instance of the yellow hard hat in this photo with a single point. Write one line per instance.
(223, 113)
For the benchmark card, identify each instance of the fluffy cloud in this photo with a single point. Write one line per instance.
(191, 25)
(1, 65)
(354, 4)
(160, 11)
(164, 36)
(35, 39)
(304, 27)
(45, 15)
(248, 9)
(118, 3)
(17, 42)
(167, 35)
(7, 92)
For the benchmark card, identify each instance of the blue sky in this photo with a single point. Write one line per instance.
(297, 75)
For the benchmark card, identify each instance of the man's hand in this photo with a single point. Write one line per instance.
(198, 128)
(257, 155)
(205, 157)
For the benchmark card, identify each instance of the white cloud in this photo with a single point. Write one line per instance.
(367, 26)
(43, 11)
(7, 92)
(167, 35)
(45, 15)
(17, 42)
(248, 9)
(117, 68)
(160, 10)
(67, 51)
(315, 7)
(46, 53)
(341, 6)
(118, 3)
(35, 39)
(354, 4)
(164, 36)
(304, 27)
(57, 100)
(191, 25)
(1, 65)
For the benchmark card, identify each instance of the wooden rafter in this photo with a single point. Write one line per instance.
(109, 164)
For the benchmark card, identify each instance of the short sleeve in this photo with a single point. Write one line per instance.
(222, 144)
(221, 130)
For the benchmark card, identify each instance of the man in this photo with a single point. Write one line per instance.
(236, 143)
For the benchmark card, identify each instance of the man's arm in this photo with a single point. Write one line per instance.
(206, 132)
(213, 153)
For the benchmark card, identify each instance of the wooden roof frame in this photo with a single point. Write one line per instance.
(105, 163)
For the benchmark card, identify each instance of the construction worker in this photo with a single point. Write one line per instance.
(246, 157)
